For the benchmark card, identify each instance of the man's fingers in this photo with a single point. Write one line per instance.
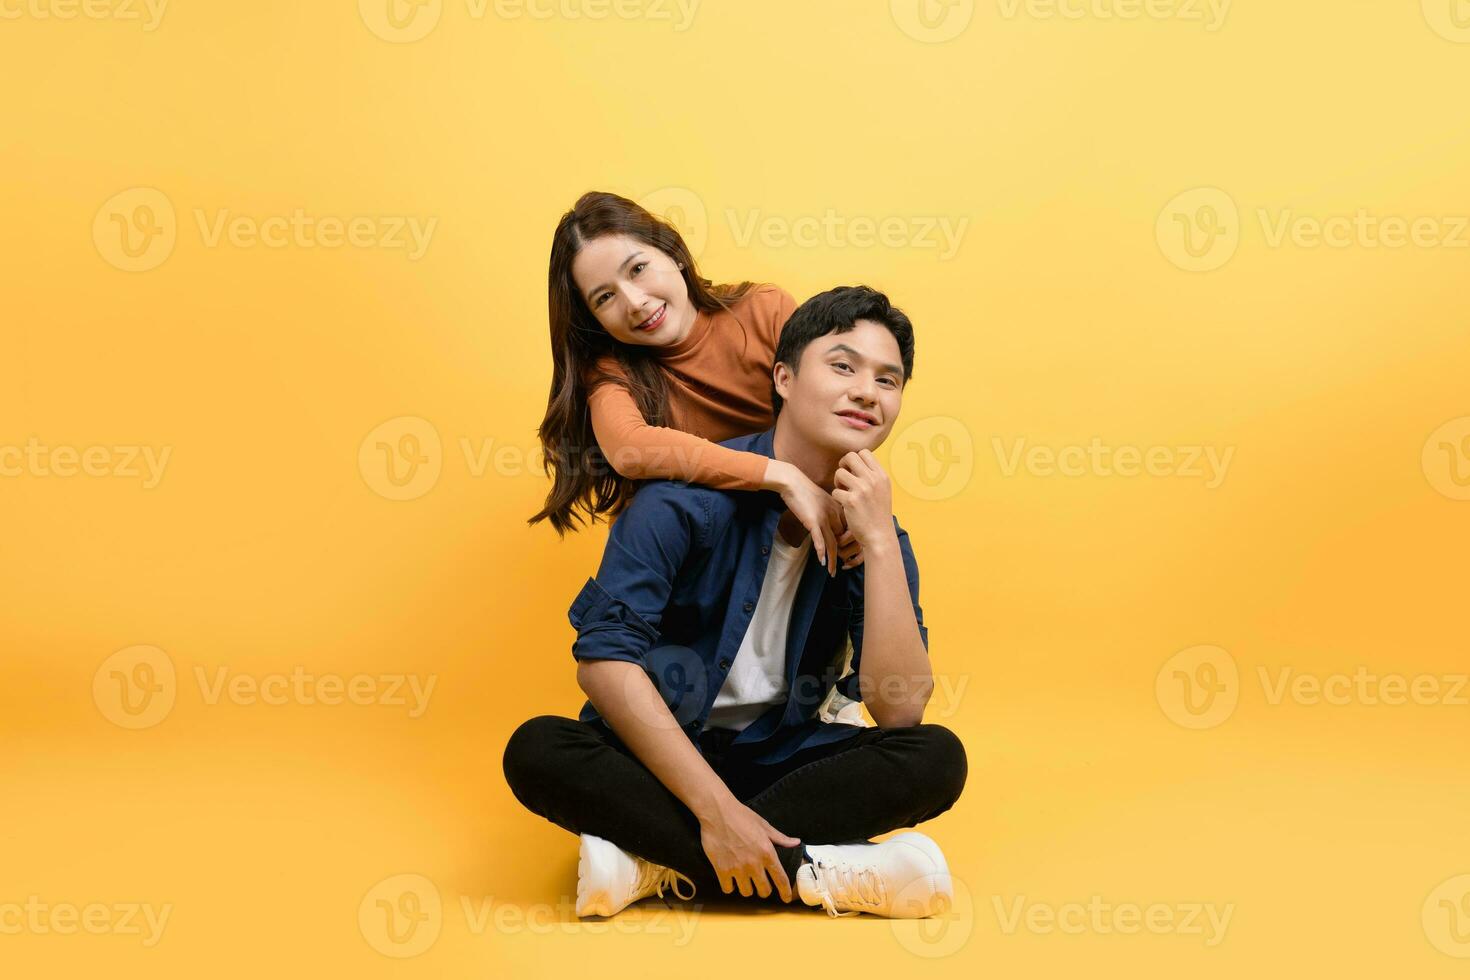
(778, 878)
(745, 889)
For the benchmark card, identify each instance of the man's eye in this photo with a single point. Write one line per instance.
(891, 382)
(841, 364)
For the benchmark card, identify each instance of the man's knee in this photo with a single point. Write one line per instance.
(944, 763)
(529, 752)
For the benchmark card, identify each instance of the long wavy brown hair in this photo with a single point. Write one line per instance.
(584, 487)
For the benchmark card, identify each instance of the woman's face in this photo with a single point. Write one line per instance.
(636, 292)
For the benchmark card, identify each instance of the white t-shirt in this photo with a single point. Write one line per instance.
(757, 678)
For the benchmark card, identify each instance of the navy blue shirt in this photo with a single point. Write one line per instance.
(678, 584)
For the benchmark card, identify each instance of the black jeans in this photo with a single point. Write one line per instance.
(843, 792)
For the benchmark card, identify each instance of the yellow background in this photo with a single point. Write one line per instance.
(1333, 542)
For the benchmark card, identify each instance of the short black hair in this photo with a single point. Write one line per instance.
(837, 311)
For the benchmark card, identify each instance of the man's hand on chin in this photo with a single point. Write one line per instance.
(861, 486)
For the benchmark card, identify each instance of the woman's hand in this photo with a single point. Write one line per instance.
(814, 507)
(851, 550)
(739, 844)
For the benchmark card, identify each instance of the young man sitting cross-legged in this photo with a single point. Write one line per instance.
(711, 637)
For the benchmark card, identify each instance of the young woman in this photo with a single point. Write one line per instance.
(652, 366)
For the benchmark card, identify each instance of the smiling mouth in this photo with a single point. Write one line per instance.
(858, 420)
(654, 321)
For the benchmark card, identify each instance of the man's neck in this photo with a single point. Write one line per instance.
(817, 463)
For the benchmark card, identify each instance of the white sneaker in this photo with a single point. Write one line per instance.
(609, 879)
(904, 877)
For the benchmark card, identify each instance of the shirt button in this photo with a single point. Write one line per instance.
(749, 606)
(765, 550)
(724, 664)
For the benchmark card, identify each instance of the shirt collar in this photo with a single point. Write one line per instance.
(701, 327)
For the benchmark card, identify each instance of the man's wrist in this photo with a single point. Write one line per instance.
(881, 544)
(709, 804)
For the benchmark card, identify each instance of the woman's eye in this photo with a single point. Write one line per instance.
(637, 268)
(599, 300)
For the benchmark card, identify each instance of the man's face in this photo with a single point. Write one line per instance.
(846, 393)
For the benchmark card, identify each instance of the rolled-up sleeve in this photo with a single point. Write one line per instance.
(617, 613)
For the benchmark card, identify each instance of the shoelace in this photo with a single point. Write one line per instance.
(843, 883)
(657, 877)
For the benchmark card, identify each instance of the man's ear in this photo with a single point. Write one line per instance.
(781, 375)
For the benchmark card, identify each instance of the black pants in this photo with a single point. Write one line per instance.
(843, 792)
